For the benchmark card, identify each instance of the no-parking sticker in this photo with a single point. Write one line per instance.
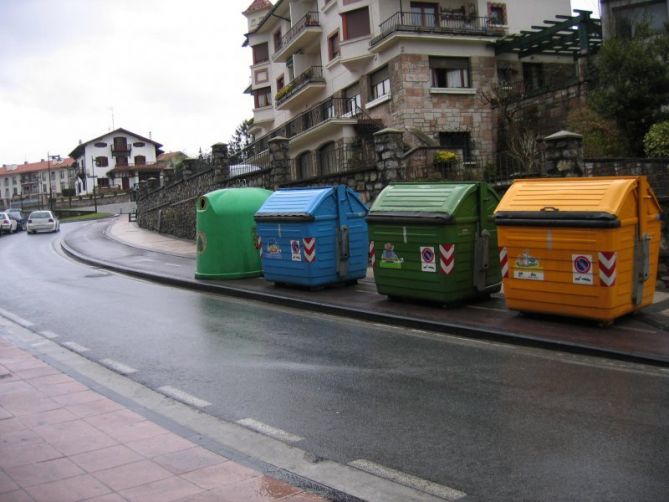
(581, 267)
(295, 252)
(428, 262)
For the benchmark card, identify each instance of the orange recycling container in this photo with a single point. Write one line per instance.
(582, 247)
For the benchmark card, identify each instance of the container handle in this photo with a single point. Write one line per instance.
(551, 209)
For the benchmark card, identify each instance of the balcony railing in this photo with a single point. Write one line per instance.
(310, 19)
(329, 109)
(311, 75)
(120, 149)
(450, 24)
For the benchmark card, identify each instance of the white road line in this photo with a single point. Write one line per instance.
(76, 347)
(121, 368)
(48, 334)
(18, 320)
(640, 330)
(405, 479)
(479, 307)
(172, 264)
(184, 397)
(268, 430)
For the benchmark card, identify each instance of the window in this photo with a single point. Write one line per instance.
(101, 161)
(423, 14)
(43, 187)
(450, 72)
(458, 142)
(533, 76)
(122, 160)
(140, 160)
(62, 175)
(280, 83)
(333, 46)
(353, 99)
(262, 97)
(497, 13)
(355, 23)
(260, 53)
(277, 40)
(380, 83)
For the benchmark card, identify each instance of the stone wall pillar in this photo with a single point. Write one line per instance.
(563, 154)
(279, 161)
(389, 146)
(188, 167)
(221, 161)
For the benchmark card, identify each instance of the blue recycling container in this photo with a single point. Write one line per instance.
(313, 236)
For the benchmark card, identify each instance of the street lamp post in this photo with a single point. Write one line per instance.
(49, 158)
(94, 178)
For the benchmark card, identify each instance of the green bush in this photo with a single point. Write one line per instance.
(656, 140)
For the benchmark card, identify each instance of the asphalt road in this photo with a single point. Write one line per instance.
(496, 422)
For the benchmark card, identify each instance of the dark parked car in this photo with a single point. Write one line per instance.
(17, 214)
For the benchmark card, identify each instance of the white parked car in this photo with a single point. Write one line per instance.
(42, 221)
(7, 225)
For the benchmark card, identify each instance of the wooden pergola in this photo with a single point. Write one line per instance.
(575, 36)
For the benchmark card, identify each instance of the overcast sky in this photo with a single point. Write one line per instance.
(172, 69)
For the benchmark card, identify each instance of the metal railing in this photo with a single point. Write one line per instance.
(310, 75)
(329, 109)
(309, 20)
(451, 24)
(334, 161)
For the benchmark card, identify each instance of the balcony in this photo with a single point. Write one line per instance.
(301, 90)
(120, 149)
(422, 25)
(303, 33)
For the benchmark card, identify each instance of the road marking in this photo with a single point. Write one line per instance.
(640, 330)
(48, 334)
(76, 347)
(17, 319)
(268, 430)
(172, 264)
(121, 368)
(405, 479)
(480, 307)
(184, 397)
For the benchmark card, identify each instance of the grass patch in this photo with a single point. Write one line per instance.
(84, 217)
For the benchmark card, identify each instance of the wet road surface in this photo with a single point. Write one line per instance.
(494, 421)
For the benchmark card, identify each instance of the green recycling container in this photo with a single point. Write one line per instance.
(226, 239)
(435, 241)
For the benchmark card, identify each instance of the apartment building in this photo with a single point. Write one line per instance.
(326, 73)
(117, 159)
(35, 180)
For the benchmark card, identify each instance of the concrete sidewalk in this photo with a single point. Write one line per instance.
(61, 441)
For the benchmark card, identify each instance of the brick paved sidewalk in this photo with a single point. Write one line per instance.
(61, 441)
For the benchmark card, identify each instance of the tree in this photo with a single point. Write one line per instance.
(632, 83)
(241, 138)
(601, 136)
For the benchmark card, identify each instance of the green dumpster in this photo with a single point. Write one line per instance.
(435, 241)
(226, 233)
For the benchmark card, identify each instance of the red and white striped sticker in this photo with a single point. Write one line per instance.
(446, 258)
(607, 268)
(504, 262)
(310, 249)
(372, 254)
(259, 245)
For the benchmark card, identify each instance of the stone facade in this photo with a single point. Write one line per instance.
(415, 107)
